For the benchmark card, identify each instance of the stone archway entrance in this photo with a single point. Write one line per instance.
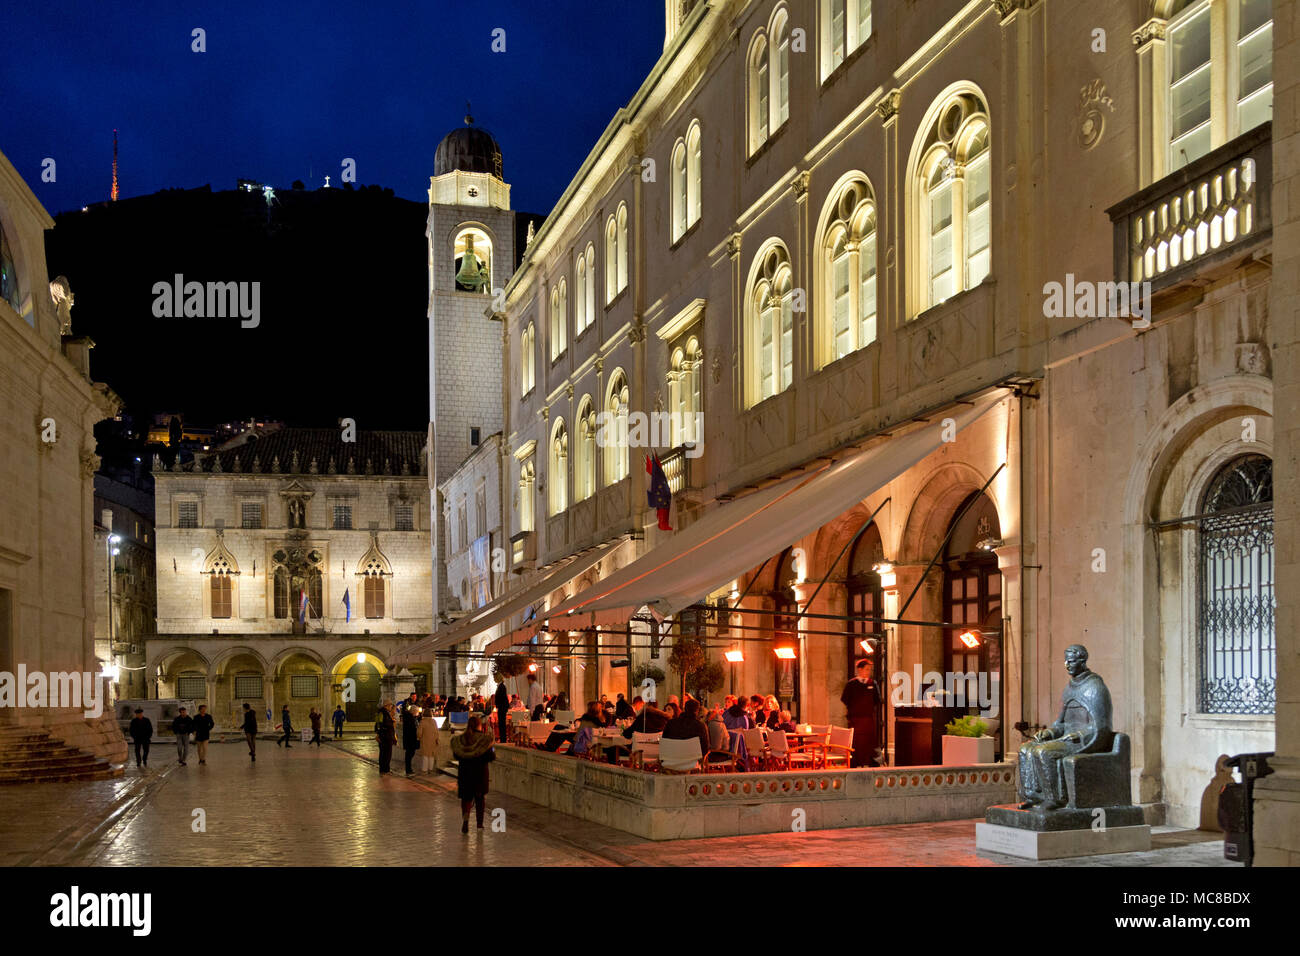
(366, 675)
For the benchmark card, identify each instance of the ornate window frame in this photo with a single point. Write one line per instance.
(847, 241)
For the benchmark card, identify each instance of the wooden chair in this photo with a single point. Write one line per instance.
(517, 727)
(679, 756)
(839, 748)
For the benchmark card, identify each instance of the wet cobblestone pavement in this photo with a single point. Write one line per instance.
(330, 807)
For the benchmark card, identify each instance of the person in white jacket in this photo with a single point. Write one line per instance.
(430, 742)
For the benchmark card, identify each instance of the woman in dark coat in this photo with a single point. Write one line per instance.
(315, 726)
(473, 751)
(386, 734)
(410, 736)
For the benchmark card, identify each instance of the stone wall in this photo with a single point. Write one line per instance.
(661, 806)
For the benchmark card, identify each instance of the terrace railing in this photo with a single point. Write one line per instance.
(1213, 209)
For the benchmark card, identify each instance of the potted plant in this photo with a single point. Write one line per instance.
(964, 742)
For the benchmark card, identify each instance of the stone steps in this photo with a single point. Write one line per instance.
(33, 756)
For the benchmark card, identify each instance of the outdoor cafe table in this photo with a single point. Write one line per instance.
(801, 739)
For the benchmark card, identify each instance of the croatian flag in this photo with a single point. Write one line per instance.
(658, 495)
(302, 607)
(347, 604)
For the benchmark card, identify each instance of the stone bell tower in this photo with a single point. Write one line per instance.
(471, 236)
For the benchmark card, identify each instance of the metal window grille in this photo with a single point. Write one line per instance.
(1236, 650)
(187, 514)
(246, 687)
(192, 688)
(405, 517)
(343, 517)
(304, 685)
(250, 513)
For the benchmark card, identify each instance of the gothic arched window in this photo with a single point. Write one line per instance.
(614, 427)
(952, 182)
(557, 481)
(848, 300)
(1236, 647)
(584, 472)
(770, 326)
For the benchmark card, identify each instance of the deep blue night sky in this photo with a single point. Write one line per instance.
(286, 91)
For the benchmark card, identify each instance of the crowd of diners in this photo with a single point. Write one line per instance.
(715, 726)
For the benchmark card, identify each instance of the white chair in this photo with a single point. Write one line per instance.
(645, 749)
(564, 717)
(755, 749)
(679, 756)
(539, 731)
(782, 757)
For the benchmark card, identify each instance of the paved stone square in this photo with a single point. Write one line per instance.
(328, 806)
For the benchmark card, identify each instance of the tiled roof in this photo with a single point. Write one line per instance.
(302, 451)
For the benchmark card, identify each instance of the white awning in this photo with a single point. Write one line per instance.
(500, 611)
(731, 539)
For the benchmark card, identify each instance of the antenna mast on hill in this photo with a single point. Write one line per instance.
(113, 195)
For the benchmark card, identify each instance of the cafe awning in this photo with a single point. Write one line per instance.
(500, 611)
(730, 540)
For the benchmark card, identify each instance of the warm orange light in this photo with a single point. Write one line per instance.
(970, 639)
(785, 653)
(556, 668)
(735, 657)
(865, 645)
(532, 668)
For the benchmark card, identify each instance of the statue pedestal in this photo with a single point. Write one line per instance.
(1059, 834)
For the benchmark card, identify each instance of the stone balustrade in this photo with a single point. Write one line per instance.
(682, 806)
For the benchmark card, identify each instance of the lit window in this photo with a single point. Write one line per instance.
(850, 272)
(527, 372)
(584, 474)
(771, 326)
(557, 482)
(527, 477)
(1220, 75)
(559, 319)
(846, 25)
(955, 209)
(614, 429)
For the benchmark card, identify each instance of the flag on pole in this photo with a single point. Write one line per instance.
(302, 607)
(658, 496)
(347, 604)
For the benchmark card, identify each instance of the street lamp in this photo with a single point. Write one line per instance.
(111, 545)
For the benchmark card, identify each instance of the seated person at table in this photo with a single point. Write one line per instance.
(672, 710)
(687, 725)
(737, 718)
(649, 719)
(719, 736)
(591, 719)
(786, 724)
(773, 712)
(623, 710)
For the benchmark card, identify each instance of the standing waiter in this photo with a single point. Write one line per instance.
(862, 698)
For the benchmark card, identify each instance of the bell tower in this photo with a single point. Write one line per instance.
(471, 237)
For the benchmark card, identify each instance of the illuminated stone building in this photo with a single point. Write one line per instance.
(885, 252)
(47, 583)
(259, 542)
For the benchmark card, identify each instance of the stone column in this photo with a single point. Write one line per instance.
(821, 656)
(1012, 647)
(1277, 798)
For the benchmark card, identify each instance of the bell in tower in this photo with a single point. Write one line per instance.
(472, 276)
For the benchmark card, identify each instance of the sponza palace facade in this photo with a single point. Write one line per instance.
(829, 227)
(259, 540)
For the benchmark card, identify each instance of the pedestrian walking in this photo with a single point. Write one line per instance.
(141, 733)
(385, 733)
(203, 724)
(250, 731)
(315, 726)
(182, 727)
(287, 724)
(410, 736)
(474, 751)
(339, 717)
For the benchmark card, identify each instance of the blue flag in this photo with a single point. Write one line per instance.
(302, 608)
(658, 495)
(347, 603)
